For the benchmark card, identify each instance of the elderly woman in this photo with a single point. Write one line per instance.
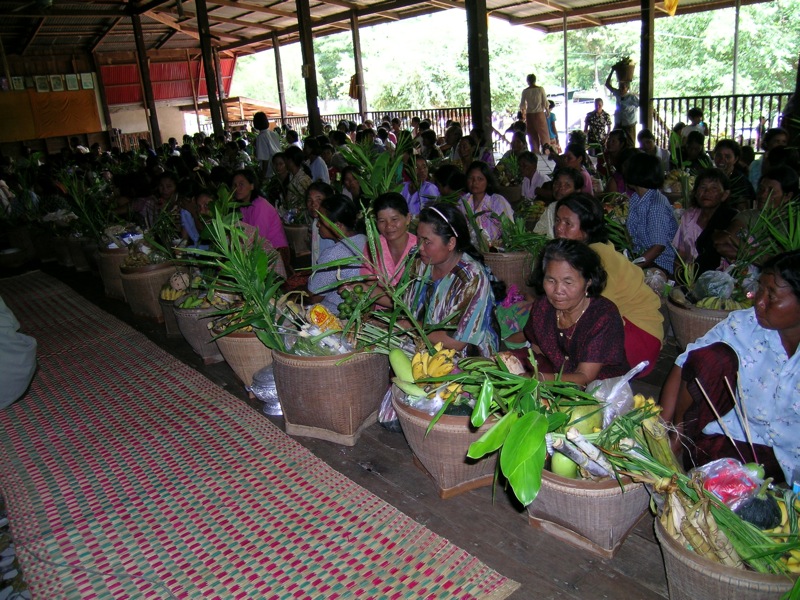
(756, 351)
(572, 329)
(483, 198)
(450, 280)
(580, 217)
(348, 242)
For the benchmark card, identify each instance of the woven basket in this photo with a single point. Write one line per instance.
(79, 260)
(109, 262)
(142, 287)
(512, 268)
(690, 322)
(442, 454)
(193, 323)
(245, 354)
(61, 250)
(594, 516)
(329, 401)
(690, 576)
(298, 238)
(170, 322)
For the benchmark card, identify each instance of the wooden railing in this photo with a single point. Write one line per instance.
(735, 117)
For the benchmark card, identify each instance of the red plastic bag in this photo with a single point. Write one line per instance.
(730, 481)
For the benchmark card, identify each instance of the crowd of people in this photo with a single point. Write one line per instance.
(593, 315)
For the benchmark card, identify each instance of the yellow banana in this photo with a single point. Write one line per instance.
(439, 366)
(417, 368)
(784, 514)
(438, 346)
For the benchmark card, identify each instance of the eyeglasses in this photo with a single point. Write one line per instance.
(438, 212)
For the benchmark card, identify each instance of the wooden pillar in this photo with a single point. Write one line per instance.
(223, 107)
(147, 84)
(194, 89)
(646, 66)
(362, 93)
(276, 48)
(101, 90)
(309, 66)
(205, 49)
(478, 49)
(736, 47)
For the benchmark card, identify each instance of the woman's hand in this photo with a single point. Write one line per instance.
(447, 341)
(726, 241)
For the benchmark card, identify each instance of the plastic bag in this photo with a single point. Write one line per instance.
(616, 392)
(656, 280)
(730, 481)
(713, 283)
(387, 417)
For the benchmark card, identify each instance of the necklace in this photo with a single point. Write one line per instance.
(562, 332)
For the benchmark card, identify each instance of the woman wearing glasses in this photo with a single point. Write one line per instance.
(451, 288)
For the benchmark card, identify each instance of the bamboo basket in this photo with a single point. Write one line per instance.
(142, 287)
(298, 238)
(170, 321)
(76, 252)
(109, 262)
(625, 71)
(329, 401)
(689, 322)
(593, 515)
(193, 324)
(690, 576)
(245, 354)
(512, 268)
(61, 250)
(442, 454)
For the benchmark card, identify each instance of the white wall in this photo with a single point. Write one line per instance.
(132, 119)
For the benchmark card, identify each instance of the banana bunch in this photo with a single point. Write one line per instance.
(168, 293)
(425, 365)
(717, 303)
(783, 532)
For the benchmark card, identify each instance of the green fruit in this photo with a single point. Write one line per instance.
(401, 364)
(358, 289)
(585, 418)
(563, 466)
(411, 389)
(755, 469)
(345, 294)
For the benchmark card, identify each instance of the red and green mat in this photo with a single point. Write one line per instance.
(128, 474)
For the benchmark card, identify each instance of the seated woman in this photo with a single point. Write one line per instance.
(566, 181)
(316, 193)
(450, 280)
(419, 192)
(610, 162)
(709, 213)
(532, 180)
(519, 145)
(466, 153)
(572, 329)
(484, 150)
(450, 180)
(299, 178)
(756, 350)
(259, 213)
(350, 185)
(580, 217)
(575, 157)
(392, 219)
(342, 212)
(481, 197)
(192, 214)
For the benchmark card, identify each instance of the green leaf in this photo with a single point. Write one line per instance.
(523, 454)
(494, 438)
(481, 410)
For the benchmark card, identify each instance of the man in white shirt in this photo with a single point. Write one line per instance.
(267, 144)
(647, 142)
(533, 105)
(319, 170)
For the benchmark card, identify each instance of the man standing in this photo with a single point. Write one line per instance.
(534, 106)
(597, 125)
(626, 114)
(267, 144)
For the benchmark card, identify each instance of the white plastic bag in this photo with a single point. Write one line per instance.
(616, 392)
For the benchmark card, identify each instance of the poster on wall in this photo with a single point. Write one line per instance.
(18, 83)
(87, 82)
(42, 84)
(72, 82)
(57, 83)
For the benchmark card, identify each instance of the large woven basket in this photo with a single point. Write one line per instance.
(298, 238)
(170, 321)
(245, 354)
(593, 515)
(329, 401)
(690, 322)
(512, 268)
(76, 251)
(109, 262)
(142, 286)
(442, 454)
(690, 576)
(61, 250)
(193, 323)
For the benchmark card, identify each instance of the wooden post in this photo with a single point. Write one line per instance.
(566, 86)
(362, 92)
(309, 66)
(101, 90)
(276, 48)
(478, 49)
(223, 107)
(646, 66)
(194, 89)
(736, 47)
(205, 49)
(147, 84)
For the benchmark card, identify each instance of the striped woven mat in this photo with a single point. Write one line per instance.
(127, 474)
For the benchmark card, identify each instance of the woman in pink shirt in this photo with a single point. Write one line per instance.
(392, 219)
(259, 213)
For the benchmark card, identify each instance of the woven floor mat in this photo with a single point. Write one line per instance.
(128, 474)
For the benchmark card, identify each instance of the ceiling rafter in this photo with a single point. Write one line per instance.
(34, 30)
(104, 34)
(216, 19)
(254, 8)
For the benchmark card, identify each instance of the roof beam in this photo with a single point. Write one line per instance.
(190, 31)
(253, 8)
(577, 12)
(27, 13)
(212, 17)
(34, 30)
(103, 35)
